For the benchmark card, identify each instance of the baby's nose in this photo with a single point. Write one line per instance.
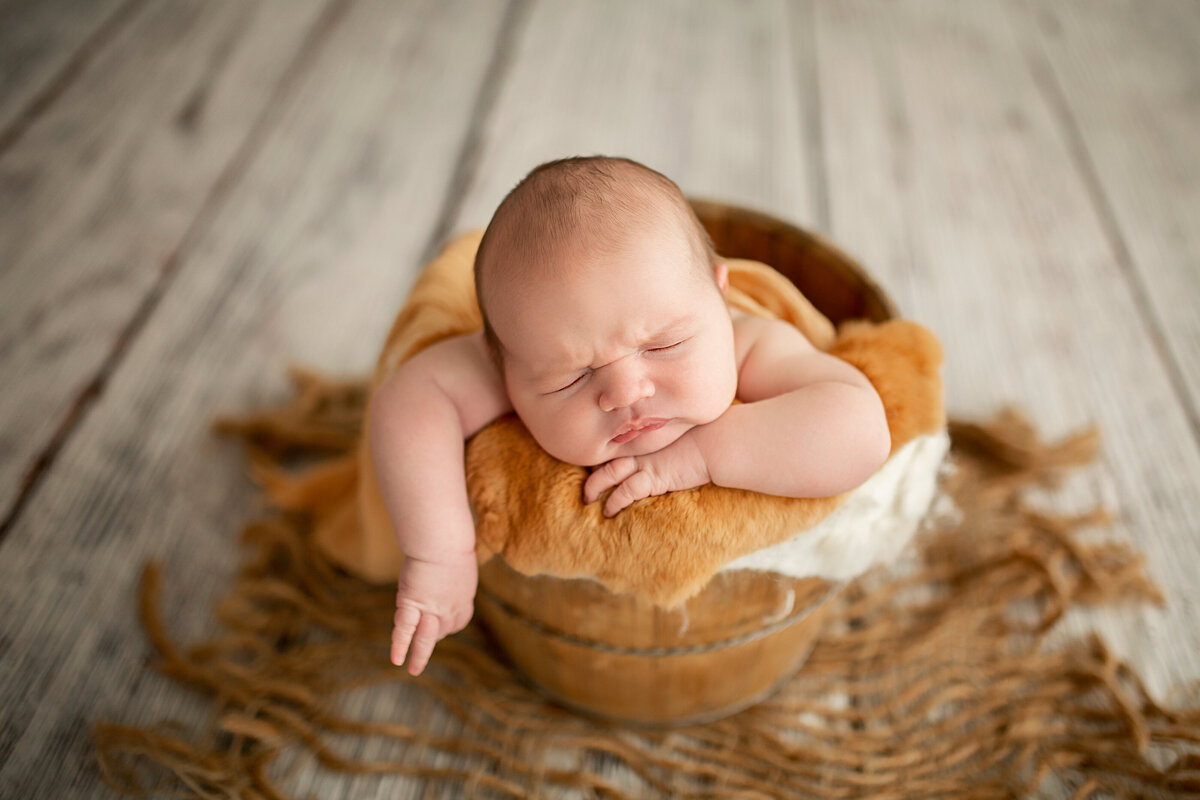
(626, 384)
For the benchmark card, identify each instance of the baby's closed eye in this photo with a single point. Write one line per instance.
(573, 382)
(665, 348)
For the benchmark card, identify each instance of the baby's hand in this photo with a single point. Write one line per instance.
(680, 465)
(433, 600)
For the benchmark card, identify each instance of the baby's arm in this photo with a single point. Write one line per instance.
(810, 425)
(420, 418)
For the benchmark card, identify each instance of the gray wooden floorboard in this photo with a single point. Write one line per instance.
(43, 45)
(1126, 75)
(709, 93)
(1127, 78)
(953, 178)
(309, 256)
(101, 190)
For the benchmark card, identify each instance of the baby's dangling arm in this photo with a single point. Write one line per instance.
(420, 419)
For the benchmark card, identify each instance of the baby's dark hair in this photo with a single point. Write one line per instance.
(574, 199)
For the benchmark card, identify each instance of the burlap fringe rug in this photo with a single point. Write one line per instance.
(939, 683)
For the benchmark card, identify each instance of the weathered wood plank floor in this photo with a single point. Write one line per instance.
(194, 194)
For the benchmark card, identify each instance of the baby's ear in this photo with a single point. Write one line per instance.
(722, 274)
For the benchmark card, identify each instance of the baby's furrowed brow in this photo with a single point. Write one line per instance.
(671, 333)
(554, 369)
(674, 326)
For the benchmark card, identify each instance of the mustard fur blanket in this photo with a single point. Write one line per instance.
(528, 505)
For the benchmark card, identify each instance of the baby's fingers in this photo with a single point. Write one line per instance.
(607, 476)
(422, 644)
(635, 487)
(405, 625)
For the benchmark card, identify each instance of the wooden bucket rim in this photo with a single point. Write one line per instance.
(851, 271)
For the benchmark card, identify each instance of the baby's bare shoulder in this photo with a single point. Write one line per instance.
(468, 350)
(463, 370)
(753, 334)
(463, 359)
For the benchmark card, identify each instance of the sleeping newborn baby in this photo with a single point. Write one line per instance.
(606, 330)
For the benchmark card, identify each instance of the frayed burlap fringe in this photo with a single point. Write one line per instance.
(937, 683)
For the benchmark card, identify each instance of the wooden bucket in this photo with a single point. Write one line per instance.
(746, 632)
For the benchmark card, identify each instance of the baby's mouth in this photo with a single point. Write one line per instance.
(636, 429)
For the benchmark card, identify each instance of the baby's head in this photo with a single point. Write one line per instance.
(603, 303)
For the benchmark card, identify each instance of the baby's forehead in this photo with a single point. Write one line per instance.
(553, 334)
(556, 297)
(560, 255)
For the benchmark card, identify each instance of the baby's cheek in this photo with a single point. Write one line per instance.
(717, 391)
(565, 440)
(535, 421)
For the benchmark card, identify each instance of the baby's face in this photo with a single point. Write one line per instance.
(618, 353)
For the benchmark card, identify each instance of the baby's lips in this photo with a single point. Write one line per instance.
(634, 430)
